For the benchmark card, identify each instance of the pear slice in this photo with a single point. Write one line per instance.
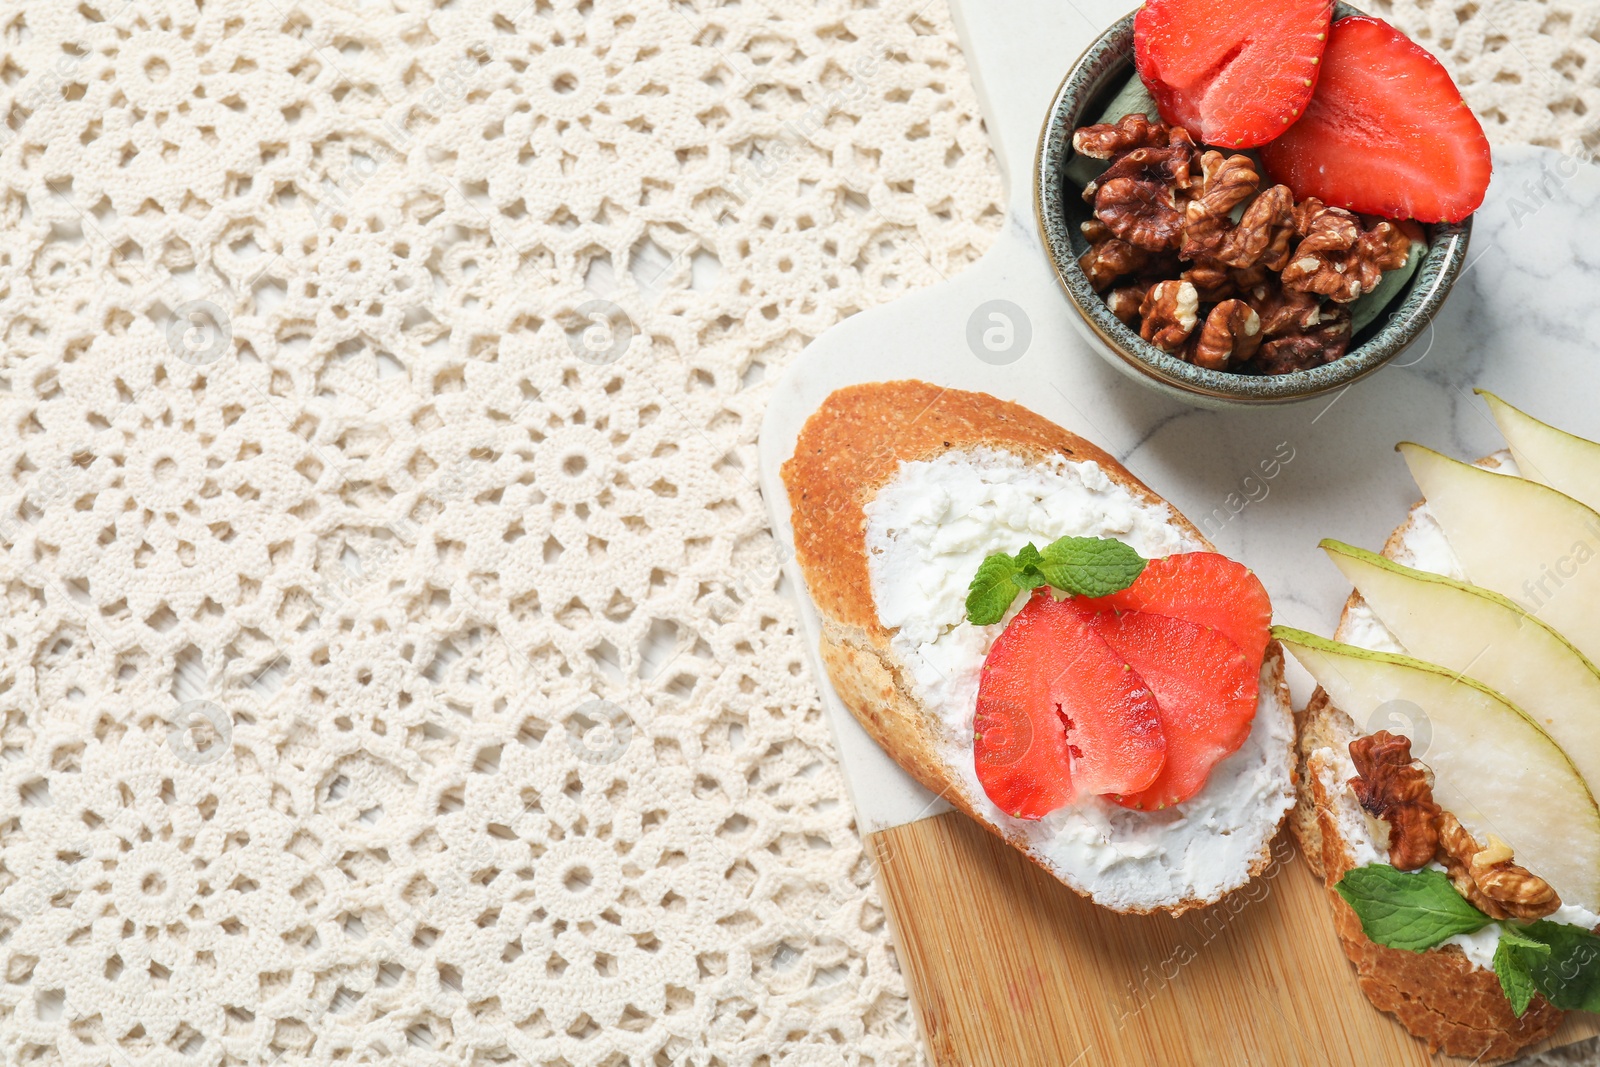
(1492, 765)
(1470, 630)
(1563, 461)
(1519, 538)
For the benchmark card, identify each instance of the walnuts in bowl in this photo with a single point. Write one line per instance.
(1190, 251)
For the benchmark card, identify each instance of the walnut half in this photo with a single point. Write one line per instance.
(1225, 183)
(1141, 213)
(1393, 787)
(1111, 259)
(1170, 311)
(1232, 334)
(1107, 141)
(1338, 259)
(1489, 879)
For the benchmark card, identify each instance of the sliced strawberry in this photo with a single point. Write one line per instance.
(1206, 689)
(1113, 723)
(1387, 132)
(1200, 587)
(1234, 75)
(1019, 741)
(1060, 714)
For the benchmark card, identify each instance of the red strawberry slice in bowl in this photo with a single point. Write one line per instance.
(1061, 715)
(1386, 133)
(1206, 690)
(1236, 74)
(1206, 588)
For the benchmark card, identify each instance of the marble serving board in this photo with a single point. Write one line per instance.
(1264, 484)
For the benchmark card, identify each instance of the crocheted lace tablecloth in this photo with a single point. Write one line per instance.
(394, 665)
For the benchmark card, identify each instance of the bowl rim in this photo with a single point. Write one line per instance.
(1418, 303)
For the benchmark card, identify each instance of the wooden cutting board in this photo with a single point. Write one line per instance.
(1010, 969)
(1007, 967)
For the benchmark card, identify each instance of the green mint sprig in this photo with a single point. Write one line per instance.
(1514, 959)
(1558, 960)
(1418, 911)
(1081, 566)
(1414, 912)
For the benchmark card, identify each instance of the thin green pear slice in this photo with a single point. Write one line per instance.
(1519, 538)
(1492, 765)
(1474, 631)
(1563, 461)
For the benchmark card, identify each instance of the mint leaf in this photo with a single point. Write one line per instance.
(1407, 911)
(1514, 958)
(1090, 566)
(1082, 566)
(993, 589)
(1510, 936)
(1028, 576)
(1569, 976)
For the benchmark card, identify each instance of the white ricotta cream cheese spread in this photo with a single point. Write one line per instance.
(927, 531)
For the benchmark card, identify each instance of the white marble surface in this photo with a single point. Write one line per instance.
(1522, 321)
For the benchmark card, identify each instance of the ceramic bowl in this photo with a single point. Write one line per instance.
(1088, 87)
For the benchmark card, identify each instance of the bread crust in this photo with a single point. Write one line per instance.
(868, 680)
(848, 450)
(1439, 995)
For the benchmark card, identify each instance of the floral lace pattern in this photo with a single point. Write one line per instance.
(394, 664)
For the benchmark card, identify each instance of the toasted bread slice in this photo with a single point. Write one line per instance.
(1440, 995)
(918, 706)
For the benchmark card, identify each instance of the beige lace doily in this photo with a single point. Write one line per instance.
(393, 662)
